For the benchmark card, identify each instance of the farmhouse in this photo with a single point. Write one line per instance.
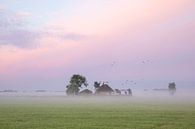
(86, 92)
(104, 89)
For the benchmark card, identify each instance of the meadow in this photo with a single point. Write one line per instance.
(96, 113)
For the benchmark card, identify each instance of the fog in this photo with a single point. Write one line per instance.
(59, 97)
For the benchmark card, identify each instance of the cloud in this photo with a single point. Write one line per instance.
(62, 34)
(23, 14)
(72, 36)
(100, 17)
(19, 38)
(8, 20)
(14, 31)
(2, 6)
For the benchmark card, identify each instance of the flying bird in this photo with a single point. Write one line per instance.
(113, 63)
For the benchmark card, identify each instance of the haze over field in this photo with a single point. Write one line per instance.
(150, 42)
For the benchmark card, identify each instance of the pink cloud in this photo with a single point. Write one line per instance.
(104, 19)
(123, 32)
(23, 14)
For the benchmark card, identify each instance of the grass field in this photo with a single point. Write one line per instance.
(95, 113)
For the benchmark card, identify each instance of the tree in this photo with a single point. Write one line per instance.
(172, 88)
(76, 83)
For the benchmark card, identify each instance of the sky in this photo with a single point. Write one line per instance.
(142, 43)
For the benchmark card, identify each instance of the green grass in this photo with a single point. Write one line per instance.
(91, 113)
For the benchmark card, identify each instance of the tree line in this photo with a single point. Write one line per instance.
(77, 81)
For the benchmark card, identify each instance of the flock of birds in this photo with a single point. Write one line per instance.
(128, 82)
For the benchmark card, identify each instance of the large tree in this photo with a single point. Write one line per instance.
(76, 82)
(172, 88)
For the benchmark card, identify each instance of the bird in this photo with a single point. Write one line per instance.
(113, 63)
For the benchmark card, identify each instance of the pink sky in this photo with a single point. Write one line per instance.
(146, 39)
